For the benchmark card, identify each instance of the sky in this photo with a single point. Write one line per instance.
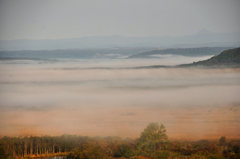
(57, 19)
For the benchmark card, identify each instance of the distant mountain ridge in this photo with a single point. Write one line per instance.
(70, 54)
(202, 51)
(107, 53)
(203, 38)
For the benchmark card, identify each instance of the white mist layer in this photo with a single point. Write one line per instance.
(48, 99)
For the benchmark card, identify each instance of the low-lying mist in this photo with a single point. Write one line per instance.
(38, 98)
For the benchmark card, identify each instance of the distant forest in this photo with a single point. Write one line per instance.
(153, 143)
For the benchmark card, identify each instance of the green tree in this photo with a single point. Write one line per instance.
(152, 139)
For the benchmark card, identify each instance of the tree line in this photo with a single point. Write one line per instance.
(153, 143)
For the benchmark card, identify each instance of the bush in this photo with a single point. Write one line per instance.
(162, 155)
(124, 151)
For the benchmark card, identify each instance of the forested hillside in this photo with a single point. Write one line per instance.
(229, 57)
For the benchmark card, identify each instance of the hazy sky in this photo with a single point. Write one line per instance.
(53, 19)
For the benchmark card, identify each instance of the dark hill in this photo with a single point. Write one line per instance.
(226, 58)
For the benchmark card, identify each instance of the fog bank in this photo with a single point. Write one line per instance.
(38, 99)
